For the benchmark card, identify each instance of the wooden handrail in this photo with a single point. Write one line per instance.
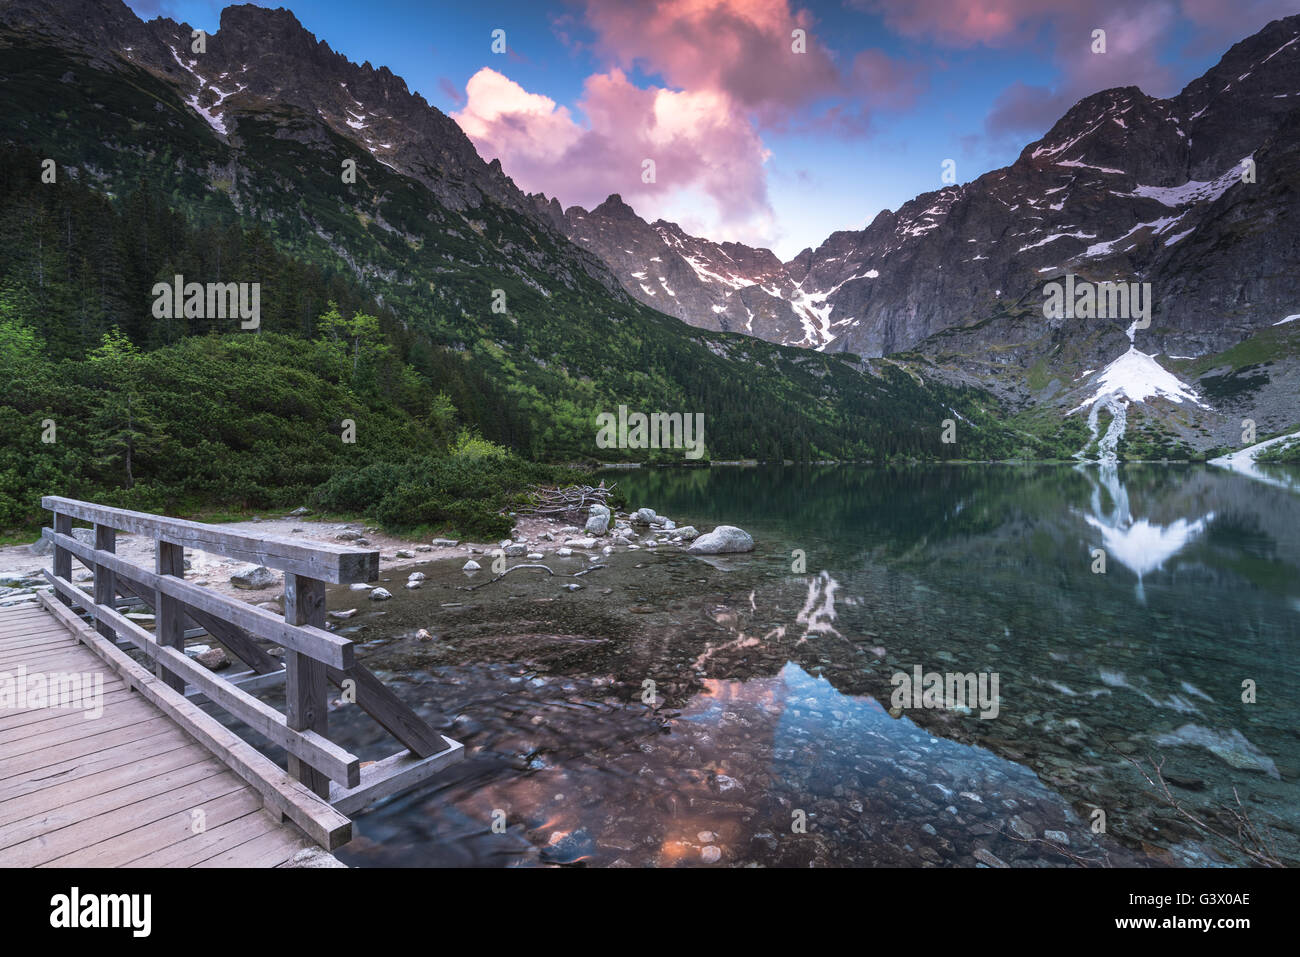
(309, 746)
(308, 639)
(337, 564)
(313, 656)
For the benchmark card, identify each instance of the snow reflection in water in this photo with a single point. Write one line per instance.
(768, 682)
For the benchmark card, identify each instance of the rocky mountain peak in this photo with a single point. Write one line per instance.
(614, 208)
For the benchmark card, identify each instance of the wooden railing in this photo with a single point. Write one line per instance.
(324, 781)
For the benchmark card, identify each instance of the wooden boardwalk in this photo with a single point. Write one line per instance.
(139, 774)
(126, 788)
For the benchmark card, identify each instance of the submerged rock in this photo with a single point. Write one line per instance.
(214, 659)
(1230, 747)
(724, 538)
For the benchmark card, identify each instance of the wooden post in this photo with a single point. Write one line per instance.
(105, 580)
(63, 557)
(305, 677)
(169, 613)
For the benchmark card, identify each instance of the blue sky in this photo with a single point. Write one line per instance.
(589, 86)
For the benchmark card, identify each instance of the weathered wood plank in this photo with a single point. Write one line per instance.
(120, 755)
(45, 848)
(29, 719)
(306, 708)
(238, 641)
(74, 794)
(22, 631)
(320, 644)
(127, 714)
(267, 850)
(174, 830)
(169, 616)
(391, 712)
(248, 680)
(391, 776)
(44, 658)
(322, 823)
(308, 745)
(62, 561)
(105, 587)
(34, 761)
(332, 563)
(34, 641)
(48, 824)
(221, 835)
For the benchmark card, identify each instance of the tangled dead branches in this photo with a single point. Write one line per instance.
(568, 503)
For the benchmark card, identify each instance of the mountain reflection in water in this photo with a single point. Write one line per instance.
(766, 742)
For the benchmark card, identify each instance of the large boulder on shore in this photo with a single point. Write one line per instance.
(724, 538)
(254, 578)
(643, 516)
(598, 520)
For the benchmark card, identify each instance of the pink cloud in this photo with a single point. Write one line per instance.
(728, 69)
(702, 148)
(745, 49)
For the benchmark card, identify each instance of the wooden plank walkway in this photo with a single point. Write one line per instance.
(125, 788)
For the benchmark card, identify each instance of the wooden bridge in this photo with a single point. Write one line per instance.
(132, 771)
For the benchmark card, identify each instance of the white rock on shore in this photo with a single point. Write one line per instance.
(254, 577)
(724, 538)
(598, 520)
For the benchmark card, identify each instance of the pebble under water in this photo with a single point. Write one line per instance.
(735, 710)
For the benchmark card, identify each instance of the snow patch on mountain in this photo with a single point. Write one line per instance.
(1243, 462)
(1137, 377)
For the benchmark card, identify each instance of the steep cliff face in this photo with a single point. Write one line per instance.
(263, 66)
(342, 168)
(1125, 186)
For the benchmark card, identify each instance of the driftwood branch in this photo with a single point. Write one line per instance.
(569, 503)
(1249, 840)
(512, 568)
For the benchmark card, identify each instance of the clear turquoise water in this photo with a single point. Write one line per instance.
(769, 739)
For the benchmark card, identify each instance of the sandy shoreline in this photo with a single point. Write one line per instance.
(20, 565)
